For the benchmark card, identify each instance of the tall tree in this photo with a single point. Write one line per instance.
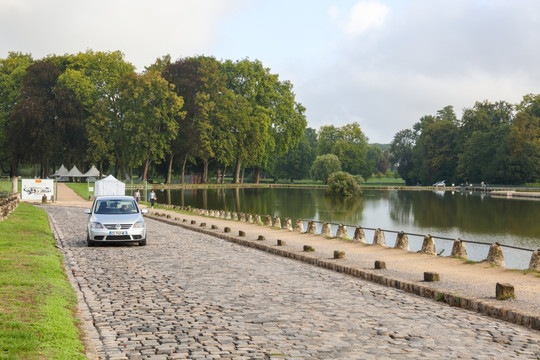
(150, 108)
(402, 152)
(94, 77)
(12, 73)
(33, 133)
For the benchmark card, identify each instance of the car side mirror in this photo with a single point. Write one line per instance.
(87, 211)
(144, 211)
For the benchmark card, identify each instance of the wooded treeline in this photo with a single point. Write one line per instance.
(493, 142)
(195, 115)
(203, 116)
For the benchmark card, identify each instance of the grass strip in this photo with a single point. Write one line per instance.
(81, 189)
(37, 302)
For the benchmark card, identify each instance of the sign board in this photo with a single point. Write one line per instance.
(34, 189)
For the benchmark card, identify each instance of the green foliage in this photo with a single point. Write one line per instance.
(349, 144)
(323, 166)
(344, 184)
(37, 301)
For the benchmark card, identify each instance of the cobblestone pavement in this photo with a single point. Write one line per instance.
(188, 295)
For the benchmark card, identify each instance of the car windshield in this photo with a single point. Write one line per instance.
(115, 207)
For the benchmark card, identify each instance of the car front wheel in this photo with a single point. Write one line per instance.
(89, 242)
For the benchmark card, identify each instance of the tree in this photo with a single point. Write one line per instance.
(324, 165)
(342, 183)
(349, 144)
(150, 108)
(296, 163)
(32, 131)
(435, 155)
(12, 73)
(94, 77)
(249, 82)
(402, 152)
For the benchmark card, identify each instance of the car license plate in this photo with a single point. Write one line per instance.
(117, 232)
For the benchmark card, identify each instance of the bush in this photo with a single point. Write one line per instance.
(343, 183)
(324, 166)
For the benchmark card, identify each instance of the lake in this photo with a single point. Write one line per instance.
(470, 216)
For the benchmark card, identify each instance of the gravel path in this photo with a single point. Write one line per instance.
(188, 295)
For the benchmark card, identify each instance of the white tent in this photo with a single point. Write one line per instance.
(109, 186)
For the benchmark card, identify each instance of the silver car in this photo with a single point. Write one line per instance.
(116, 219)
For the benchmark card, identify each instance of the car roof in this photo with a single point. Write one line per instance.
(114, 197)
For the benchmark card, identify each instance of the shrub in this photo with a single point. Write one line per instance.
(342, 183)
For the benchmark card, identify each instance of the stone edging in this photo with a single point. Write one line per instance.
(476, 305)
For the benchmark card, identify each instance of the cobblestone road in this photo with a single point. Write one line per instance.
(188, 295)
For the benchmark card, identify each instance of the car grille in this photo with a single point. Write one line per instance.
(118, 237)
(113, 226)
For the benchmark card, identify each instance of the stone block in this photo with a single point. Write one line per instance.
(379, 265)
(261, 237)
(495, 255)
(402, 241)
(459, 249)
(428, 246)
(504, 291)
(326, 230)
(241, 233)
(214, 227)
(312, 228)
(227, 230)
(378, 238)
(339, 254)
(281, 242)
(534, 264)
(193, 222)
(299, 225)
(431, 276)
(359, 235)
(203, 225)
(308, 248)
(341, 231)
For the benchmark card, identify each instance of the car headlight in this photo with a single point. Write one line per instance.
(96, 225)
(138, 225)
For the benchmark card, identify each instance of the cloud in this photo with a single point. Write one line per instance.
(363, 16)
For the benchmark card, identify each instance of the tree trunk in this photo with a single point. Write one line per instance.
(243, 172)
(184, 168)
(101, 169)
(169, 171)
(218, 175)
(256, 175)
(146, 166)
(205, 172)
(236, 179)
(223, 175)
(131, 173)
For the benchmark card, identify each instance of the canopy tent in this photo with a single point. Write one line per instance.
(74, 172)
(109, 186)
(93, 172)
(60, 172)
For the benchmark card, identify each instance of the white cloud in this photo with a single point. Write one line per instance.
(363, 16)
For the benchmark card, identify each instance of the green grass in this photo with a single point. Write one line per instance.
(81, 189)
(37, 302)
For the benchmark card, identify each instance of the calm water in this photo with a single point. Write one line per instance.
(469, 216)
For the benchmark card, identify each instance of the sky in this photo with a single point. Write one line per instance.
(381, 63)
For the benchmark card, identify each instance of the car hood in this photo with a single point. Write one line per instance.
(116, 219)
